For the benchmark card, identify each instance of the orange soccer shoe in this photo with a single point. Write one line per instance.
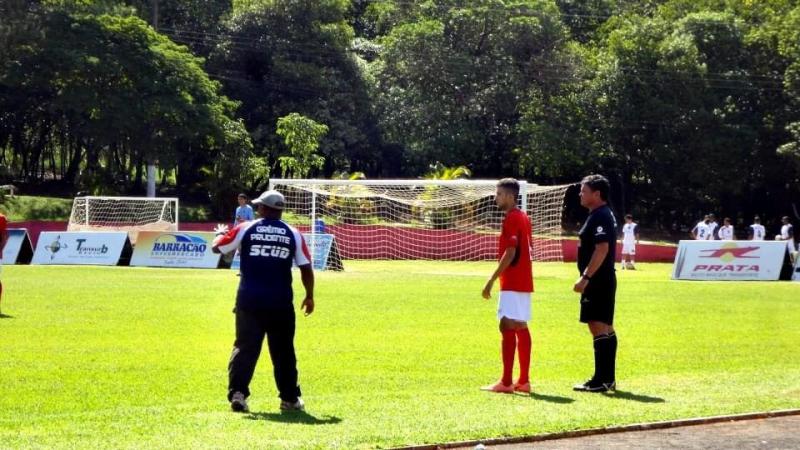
(522, 387)
(499, 387)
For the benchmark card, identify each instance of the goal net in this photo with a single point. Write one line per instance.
(420, 219)
(131, 214)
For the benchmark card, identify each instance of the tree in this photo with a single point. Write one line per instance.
(302, 137)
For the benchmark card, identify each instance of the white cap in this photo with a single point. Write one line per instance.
(272, 199)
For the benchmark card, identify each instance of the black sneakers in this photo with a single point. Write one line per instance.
(595, 386)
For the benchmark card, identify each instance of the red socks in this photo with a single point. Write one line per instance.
(508, 347)
(524, 350)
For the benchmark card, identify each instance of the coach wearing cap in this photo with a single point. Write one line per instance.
(268, 246)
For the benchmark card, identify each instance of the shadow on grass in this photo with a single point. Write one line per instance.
(551, 398)
(301, 417)
(5, 316)
(625, 395)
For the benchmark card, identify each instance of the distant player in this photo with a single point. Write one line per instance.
(244, 212)
(701, 231)
(630, 238)
(516, 287)
(787, 234)
(598, 282)
(713, 227)
(726, 231)
(3, 240)
(757, 231)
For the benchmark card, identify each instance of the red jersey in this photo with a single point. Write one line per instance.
(516, 233)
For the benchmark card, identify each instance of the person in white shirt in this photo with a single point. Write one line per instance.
(787, 234)
(713, 226)
(757, 231)
(701, 231)
(630, 237)
(726, 232)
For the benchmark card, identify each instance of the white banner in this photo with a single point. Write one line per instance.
(83, 248)
(18, 241)
(729, 260)
(175, 249)
(796, 273)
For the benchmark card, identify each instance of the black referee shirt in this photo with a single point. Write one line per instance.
(599, 227)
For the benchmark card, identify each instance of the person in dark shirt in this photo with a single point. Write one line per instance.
(268, 248)
(598, 282)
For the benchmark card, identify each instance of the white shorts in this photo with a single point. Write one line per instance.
(514, 305)
(628, 248)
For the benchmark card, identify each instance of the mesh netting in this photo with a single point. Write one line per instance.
(420, 219)
(131, 214)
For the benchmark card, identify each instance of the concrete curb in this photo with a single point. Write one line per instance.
(609, 430)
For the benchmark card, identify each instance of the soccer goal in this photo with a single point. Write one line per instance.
(420, 219)
(131, 214)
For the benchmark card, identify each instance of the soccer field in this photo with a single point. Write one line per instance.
(124, 357)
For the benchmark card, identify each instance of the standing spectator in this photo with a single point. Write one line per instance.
(630, 238)
(244, 212)
(757, 231)
(268, 247)
(726, 232)
(701, 231)
(713, 227)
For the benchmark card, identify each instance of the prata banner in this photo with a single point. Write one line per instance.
(175, 249)
(18, 248)
(318, 244)
(729, 260)
(80, 247)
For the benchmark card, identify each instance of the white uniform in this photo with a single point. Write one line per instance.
(726, 233)
(702, 232)
(629, 232)
(712, 226)
(758, 231)
(787, 234)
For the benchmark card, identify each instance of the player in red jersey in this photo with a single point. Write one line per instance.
(516, 286)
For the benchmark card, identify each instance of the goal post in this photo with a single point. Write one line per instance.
(131, 214)
(455, 220)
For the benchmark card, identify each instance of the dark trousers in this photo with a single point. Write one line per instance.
(251, 326)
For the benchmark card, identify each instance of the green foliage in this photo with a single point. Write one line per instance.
(22, 208)
(301, 136)
(687, 105)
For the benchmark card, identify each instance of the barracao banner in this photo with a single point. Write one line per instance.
(175, 249)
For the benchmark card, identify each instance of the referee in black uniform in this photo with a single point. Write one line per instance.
(598, 282)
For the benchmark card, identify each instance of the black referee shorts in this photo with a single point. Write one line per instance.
(597, 301)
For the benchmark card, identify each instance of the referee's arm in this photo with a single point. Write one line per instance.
(599, 254)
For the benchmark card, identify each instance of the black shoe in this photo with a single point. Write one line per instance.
(595, 386)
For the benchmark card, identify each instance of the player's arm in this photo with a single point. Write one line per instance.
(227, 241)
(693, 233)
(505, 261)
(302, 257)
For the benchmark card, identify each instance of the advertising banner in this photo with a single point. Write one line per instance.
(190, 249)
(320, 246)
(796, 272)
(729, 260)
(18, 249)
(81, 247)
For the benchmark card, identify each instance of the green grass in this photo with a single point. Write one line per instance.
(136, 358)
